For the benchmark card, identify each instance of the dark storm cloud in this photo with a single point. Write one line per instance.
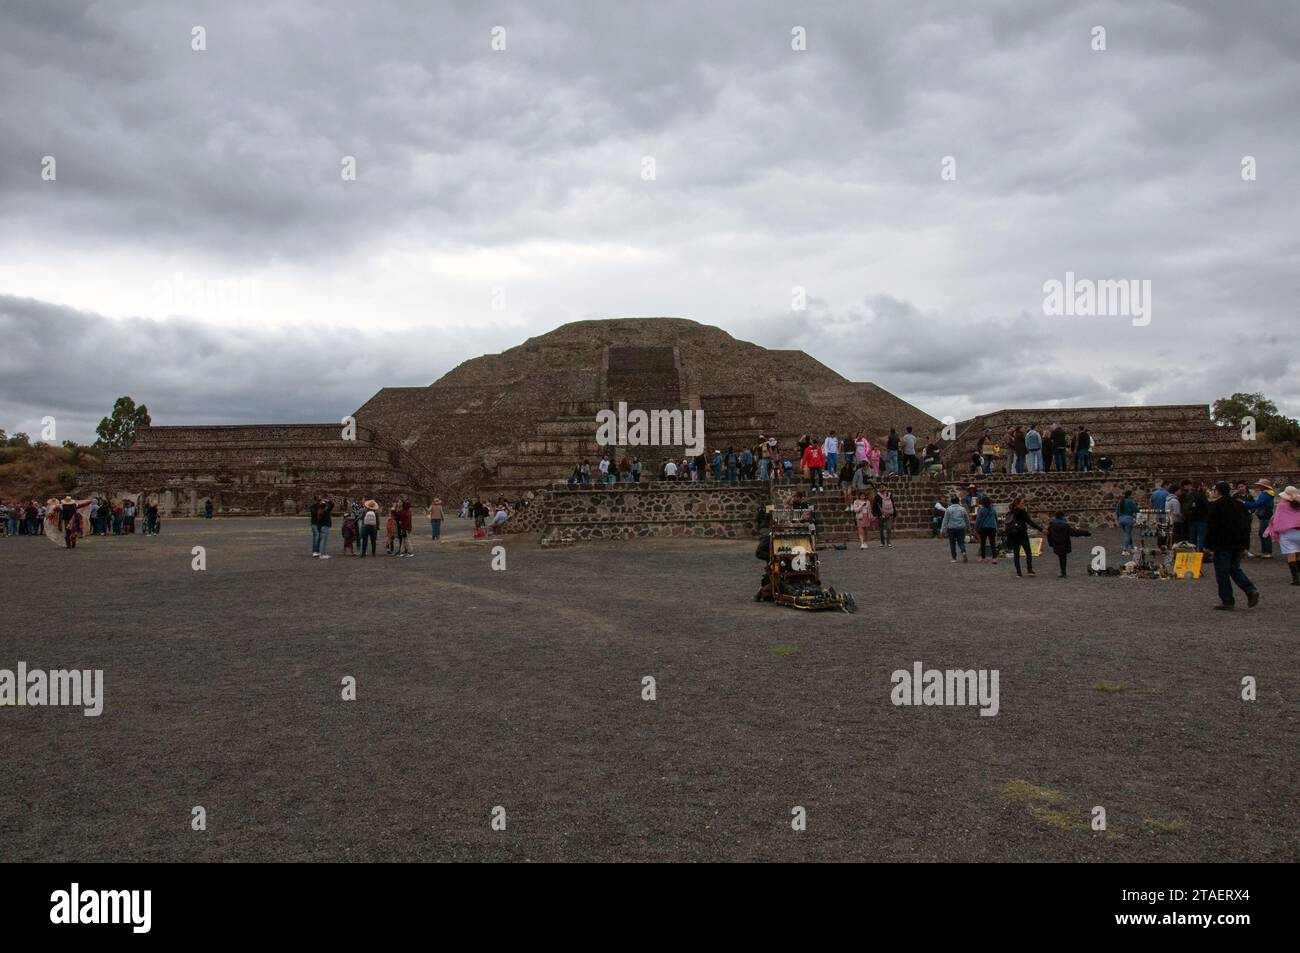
(72, 366)
(774, 168)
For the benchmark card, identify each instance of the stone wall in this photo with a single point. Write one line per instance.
(627, 511)
(275, 469)
(727, 511)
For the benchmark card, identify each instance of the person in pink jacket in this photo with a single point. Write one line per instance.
(1285, 528)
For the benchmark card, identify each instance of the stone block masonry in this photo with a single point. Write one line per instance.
(627, 511)
(729, 511)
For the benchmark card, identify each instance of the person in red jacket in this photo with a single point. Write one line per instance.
(404, 517)
(814, 462)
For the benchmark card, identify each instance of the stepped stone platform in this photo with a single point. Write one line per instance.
(250, 469)
(730, 510)
(1172, 440)
(523, 419)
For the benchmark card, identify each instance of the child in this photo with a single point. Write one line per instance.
(864, 515)
(1059, 532)
(392, 532)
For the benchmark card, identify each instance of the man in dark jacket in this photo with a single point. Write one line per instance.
(1060, 446)
(1228, 537)
(1059, 532)
(1196, 507)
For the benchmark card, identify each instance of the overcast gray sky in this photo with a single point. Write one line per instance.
(199, 248)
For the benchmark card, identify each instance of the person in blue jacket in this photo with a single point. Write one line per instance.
(1262, 506)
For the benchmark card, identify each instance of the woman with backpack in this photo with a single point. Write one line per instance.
(1017, 533)
(370, 528)
(882, 507)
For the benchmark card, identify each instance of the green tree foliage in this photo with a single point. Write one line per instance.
(1277, 427)
(118, 431)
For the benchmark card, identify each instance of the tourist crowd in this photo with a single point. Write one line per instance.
(72, 519)
(361, 521)
(1022, 450)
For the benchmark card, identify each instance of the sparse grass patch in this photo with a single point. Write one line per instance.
(784, 650)
(1058, 819)
(1110, 687)
(1175, 826)
(1024, 792)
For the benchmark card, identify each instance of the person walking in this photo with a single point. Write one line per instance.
(831, 451)
(882, 507)
(986, 527)
(1262, 506)
(435, 517)
(1017, 533)
(1284, 526)
(406, 523)
(864, 515)
(892, 462)
(814, 465)
(1125, 514)
(1228, 537)
(1059, 533)
(956, 521)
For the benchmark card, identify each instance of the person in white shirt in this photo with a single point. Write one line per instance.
(910, 463)
(670, 471)
(831, 448)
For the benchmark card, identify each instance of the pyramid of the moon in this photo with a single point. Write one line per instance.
(528, 414)
(523, 417)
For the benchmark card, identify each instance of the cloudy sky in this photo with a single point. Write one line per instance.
(195, 241)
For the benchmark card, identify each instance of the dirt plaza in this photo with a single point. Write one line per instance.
(523, 689)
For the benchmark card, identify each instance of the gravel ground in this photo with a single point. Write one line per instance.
(522, 688)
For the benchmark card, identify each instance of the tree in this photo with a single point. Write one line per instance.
(119, 430)
(19, 439)
(1231, 411)
(1276, 427)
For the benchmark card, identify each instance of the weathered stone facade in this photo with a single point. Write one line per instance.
(627, 511)
(275, 469)
(728, 511)
(520, 421)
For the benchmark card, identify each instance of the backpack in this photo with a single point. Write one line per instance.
(887, 506)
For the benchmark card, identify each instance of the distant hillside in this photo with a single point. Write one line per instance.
(40, 472)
